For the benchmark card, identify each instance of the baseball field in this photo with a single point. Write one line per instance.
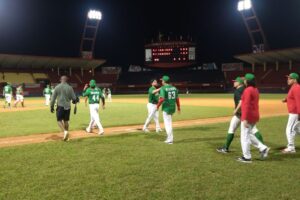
(129, 164)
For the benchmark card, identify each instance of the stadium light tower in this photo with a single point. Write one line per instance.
(253, 25)
(90, 34)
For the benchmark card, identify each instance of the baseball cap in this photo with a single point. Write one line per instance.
(93, 83)
(249, 77)
(239, 80)
(165, 78)
(293, 76)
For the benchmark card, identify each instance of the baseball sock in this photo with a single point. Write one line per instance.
(259, 137)
(229, 139)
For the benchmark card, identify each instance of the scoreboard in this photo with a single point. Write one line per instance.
(169, 55)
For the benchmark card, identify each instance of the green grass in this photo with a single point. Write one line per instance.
(138, 166)
(116, 114)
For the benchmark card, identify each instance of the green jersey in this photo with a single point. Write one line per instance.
(170, 95)
(7, 89)
(47, 91)
(19, 91)
(93, 95)
(237, 98)
(153, 98)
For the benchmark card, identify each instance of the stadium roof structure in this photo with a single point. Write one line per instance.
(10, 61)
(283, 56)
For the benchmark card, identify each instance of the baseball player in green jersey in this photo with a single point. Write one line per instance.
(94, 95)
(47, 94)
(239, 86)
(168, 98)
(52, 89)
(153, 95)
(19, 96)
(7, 93)
(64, 94)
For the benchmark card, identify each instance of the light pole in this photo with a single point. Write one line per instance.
(90, 34)
(253, 25)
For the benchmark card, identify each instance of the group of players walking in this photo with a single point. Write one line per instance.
(246, 113)
(8, 95)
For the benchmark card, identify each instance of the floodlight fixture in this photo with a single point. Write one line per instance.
(244, 5)
(95, 15)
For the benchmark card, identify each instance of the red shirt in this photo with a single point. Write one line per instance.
(250, 108)
(293, 99)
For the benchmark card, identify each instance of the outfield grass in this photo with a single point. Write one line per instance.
(139, 166)
(116, 114)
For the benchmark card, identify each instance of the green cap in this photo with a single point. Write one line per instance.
(293, 76)
(249, 77)
(165, 78)
(92, 83)
(239, 80)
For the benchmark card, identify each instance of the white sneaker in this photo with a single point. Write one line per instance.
(88, 130)
(146, 130)
(288, 151)
(66, 136)
(101, 132)
(158, 130)
(168, 142)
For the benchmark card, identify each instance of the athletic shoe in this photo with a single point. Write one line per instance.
(66, 136)
(244, 160)
(88, 130)
(101, 132)
(264, 153)
(158, 130)
(169, 142)
(222, 150)
(146, 130)
(288, 151)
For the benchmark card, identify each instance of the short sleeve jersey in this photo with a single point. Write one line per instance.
(237, 98)
(170, 95)
(7, 89)
(19, 91)
(47, 91)
(93, 95)
(153, 98)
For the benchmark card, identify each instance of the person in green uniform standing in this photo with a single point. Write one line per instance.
(7, 93)
(47, 94)
(153, 95)
(94, 94)
(19, 96)
(239, 86)
(168, 98)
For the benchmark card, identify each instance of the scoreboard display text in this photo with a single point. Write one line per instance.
(170, 55)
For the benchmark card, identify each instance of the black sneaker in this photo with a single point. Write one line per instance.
(222, 150)
(244, 160)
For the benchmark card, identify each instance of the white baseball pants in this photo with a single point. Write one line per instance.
(94, 113)
(293, 127)
(248, 138)
(168, 126)
(47, 96)
(152, 114)
(109, 98)
(235, 123)
(8, 98)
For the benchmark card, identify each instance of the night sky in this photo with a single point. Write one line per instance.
(54, 27)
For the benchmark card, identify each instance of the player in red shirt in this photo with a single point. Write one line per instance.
(293, 104)
(249, 118)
